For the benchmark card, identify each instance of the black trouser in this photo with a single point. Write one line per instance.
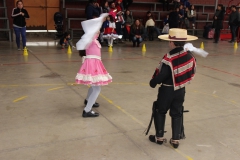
(233, 29)
(119, 28)
(217, 34)
(173, 100)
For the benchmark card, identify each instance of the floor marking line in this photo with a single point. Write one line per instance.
(52, 89)
(184, 155)
(139, 122)
(236, 75)
(121, 109)
(19, 99)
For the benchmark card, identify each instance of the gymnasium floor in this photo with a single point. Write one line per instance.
(41, 107)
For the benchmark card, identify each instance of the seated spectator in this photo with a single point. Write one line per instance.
(149, 14)
(165, 25)
(105, 7)
(150, 24)
(185, 3)
(176, 3)
(109, 31)
(137, 32)
(192, 16)
(165, 21)
(127, 25)
(92, 10)
(66, 40)
(181, 16)
(185, 17)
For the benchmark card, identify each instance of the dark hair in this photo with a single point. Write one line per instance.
(220, 5)
(233, 6)
(66, 34)
(134, 25)
(179, 43)
(18, 2)
(82, 53)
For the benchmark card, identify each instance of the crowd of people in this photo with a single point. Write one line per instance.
(136, 29)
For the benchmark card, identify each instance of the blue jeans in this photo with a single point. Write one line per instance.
(138, 40)
(21, 31)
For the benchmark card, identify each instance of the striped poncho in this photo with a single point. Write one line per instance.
(183, 67)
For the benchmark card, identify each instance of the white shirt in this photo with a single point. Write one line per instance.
(149, 22)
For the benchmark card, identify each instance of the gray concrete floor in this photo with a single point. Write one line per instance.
(41, 107)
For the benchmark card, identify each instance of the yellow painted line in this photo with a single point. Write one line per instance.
(52, 89)
(184, 155)
(121, 109)
(139, 122)
(19, 99)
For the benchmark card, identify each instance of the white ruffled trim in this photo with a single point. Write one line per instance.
(93, 79)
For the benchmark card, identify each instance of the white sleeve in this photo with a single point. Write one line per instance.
(114, 25)
(14, 15)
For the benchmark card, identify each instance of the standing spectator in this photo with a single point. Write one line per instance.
(173, 19)
(137, 32)
(127, 25)
(233, 22)
(92, 10)
(192, 15)
(218, 21)
(150, 24)
(19, 14)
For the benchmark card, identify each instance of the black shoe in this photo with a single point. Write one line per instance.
(90, 114)
(134, 44)
(138, 45)
(94, 105)
(174, 144)
(230, 41)
(153, 139)
(215, 42)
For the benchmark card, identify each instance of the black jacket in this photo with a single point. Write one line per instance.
(173, 19)
(18, 19)
(233, 18)
(218, 23)
(92, 11)
(133, 31)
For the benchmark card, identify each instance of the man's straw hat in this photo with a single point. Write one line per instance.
(177, 34)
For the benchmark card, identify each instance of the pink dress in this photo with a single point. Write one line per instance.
(92, 71)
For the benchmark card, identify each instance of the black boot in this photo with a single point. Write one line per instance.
(176, 131)
(159, 122)
(94, 105)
